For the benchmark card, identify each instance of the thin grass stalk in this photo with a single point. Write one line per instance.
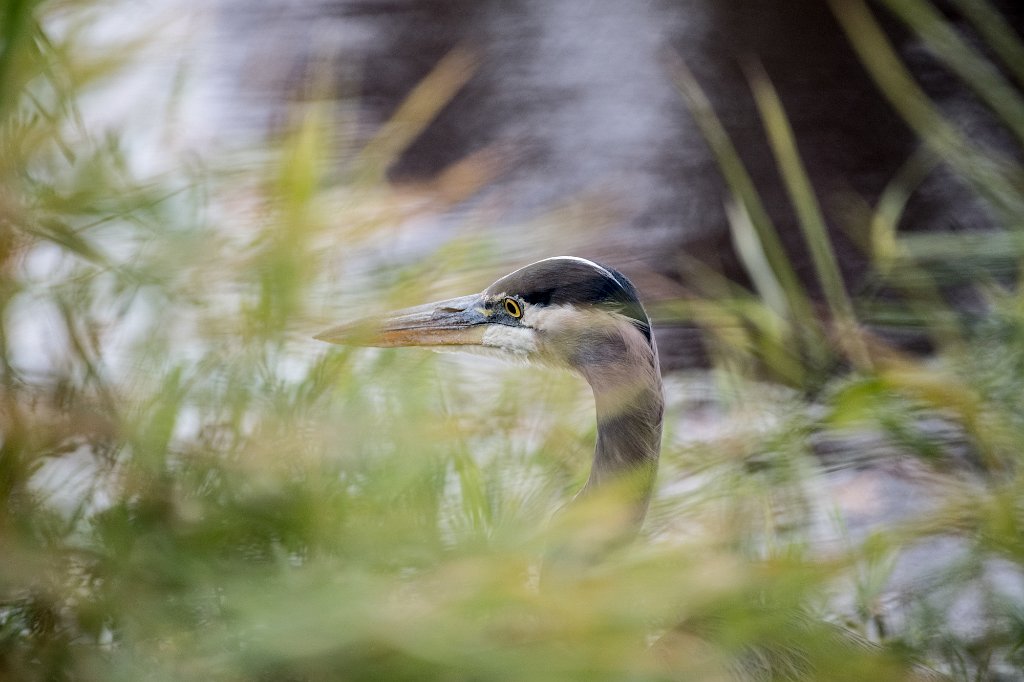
(777, 278)
(742, 187)
(16, 28)
(773, 324)
(419, 108)
(892, 202)
(997, 33)
(974, 70)
(756, 262)
(728, 312)
(958, 245)
(887, 250)
(809, 215)
(992, 176)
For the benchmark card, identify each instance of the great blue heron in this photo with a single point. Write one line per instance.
(574, 313)
(567, 312)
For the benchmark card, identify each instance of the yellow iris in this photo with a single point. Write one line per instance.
(513, 308)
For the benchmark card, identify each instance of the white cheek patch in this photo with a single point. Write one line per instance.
(516, 340)
(564, 322)
(551, 318)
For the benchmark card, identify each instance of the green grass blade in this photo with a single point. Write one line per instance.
(16, 32)
(974, 70)
(751, 252)
(809, 215)
(768, 315)
(893, 202)
(891, 261)
(993, 177)
(742, 186)
(420, 107)
(997, 34)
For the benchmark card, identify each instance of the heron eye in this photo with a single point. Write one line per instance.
(513, 308)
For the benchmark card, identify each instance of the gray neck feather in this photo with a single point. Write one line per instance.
(623, 371)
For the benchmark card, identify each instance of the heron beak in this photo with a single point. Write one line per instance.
(455, 322)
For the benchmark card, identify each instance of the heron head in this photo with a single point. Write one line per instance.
(563, 311)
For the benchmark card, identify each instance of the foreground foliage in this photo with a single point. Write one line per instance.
(192, 488)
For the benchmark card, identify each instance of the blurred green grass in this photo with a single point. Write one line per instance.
(191, 488)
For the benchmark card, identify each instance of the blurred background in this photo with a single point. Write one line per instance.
(820, 202)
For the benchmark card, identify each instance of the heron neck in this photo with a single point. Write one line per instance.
(629, 424)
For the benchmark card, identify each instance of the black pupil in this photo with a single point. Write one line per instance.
(512, 307)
